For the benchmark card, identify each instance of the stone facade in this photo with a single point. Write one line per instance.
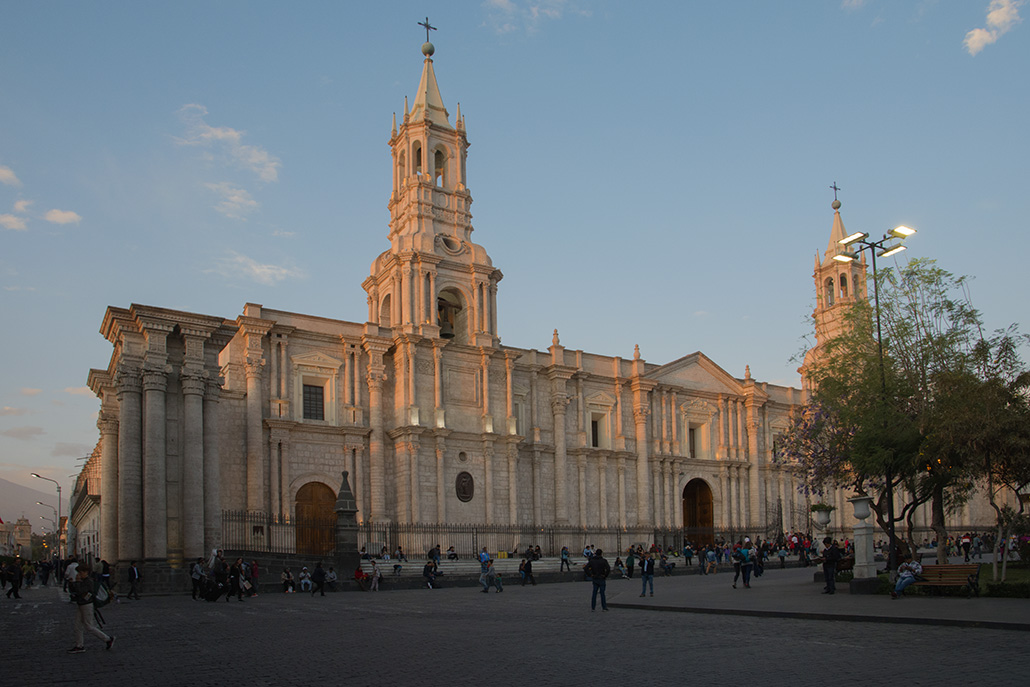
(434, 419)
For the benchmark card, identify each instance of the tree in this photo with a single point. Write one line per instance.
(877, 420)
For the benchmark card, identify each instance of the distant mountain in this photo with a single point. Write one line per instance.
(16, 501)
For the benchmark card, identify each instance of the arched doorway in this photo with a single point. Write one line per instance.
(316, 519)
(698, 523)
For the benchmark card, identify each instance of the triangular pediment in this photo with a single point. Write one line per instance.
(697, 371)
(601, 399)
(316, 360)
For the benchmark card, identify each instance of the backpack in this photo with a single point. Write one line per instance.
(101, 594)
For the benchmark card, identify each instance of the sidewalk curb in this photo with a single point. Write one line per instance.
(798, 615)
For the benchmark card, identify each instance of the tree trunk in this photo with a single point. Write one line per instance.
(937, 523)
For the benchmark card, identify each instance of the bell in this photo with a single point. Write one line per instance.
(447, 330)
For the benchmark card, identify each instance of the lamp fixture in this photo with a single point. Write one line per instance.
(891, 250)
(901, 232)
(846, 256)
(857, 236)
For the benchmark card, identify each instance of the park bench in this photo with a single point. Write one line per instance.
(951, 575)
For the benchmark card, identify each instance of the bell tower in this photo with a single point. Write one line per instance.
(838, 285)
(433, 281)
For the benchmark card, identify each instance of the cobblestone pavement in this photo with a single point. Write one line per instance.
(543, 635)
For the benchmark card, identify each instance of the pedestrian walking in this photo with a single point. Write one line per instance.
(428, 574)
(597, 569)
(135, 576)
(527, 570)
(14, 577)
(318, 577)
(197, 576)
(566, 564)
(83, 590)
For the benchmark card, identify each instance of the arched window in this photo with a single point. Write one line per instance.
(416, 158)
(384, 312)
(439, 167)
(402, 167)
(843, 286)
(453, 316)
(829, 291)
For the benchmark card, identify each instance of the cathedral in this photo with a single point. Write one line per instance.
(433, 418)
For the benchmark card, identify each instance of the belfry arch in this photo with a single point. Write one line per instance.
(698, 512)
(453, 316)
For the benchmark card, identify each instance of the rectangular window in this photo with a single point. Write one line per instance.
(692, 442)
(314, 403)
(595, 433)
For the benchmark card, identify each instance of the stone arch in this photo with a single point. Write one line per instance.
(828, 290)
(416, 157)
(843, 286)
(440, 166)
(453, 314)
(698, 512)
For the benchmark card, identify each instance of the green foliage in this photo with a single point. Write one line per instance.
(941, 407)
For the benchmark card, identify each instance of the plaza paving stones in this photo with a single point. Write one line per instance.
(543, 635)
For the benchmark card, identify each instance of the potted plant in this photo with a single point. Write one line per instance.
(821, 513)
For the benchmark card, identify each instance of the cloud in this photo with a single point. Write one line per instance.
(507, 16)
(63, 449)
(29, 391)
(23, 433)
(283, 234)
(8, 411)
(700, 313)
(8, 177)
(235, 203)
(22, 206)
(1002, 15)
(852, 5)
(235, 265)
(62, 217)
(79, 391)
(229, 141)
(12, 222)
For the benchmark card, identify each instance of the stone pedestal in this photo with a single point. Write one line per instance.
(865, 581)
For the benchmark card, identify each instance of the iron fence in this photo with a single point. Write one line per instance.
(257, 532)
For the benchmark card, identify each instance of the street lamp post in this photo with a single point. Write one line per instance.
(890, 244)
(57, 528)
(57, 519)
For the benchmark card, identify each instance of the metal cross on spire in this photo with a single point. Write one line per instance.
(429, 28)
(835, 188)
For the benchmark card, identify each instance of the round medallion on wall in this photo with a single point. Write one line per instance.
(464, 487)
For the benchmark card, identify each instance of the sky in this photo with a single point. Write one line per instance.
(651, 173)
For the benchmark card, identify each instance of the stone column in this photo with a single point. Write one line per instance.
(724, 489)
(193, 467)
(538, 517)
(513, 504)
(130, 464)
(602, 489)
(441, 492)
(758, 515)
(641, 409)
(155, 479)
(723, 452)
(582, 465)
(376, 441)
(107, 423)
(212, 468)
(668, 491)
(414, 447)
(621, 467)
(561, 498)
(488, 480)
(257, 464)
(434, 314)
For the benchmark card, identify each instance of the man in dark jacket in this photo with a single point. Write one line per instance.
(598, 569)
(318, 577)
(14, 577)
(831, 554)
